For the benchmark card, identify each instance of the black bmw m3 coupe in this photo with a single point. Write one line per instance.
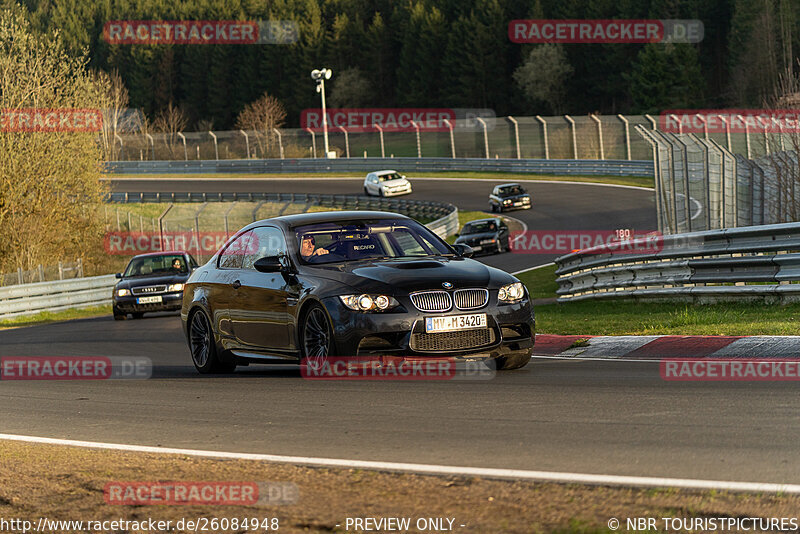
(311, 286)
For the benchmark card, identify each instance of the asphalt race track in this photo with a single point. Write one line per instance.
(600, 417)
(556, 206)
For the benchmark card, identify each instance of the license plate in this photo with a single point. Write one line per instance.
(476, 247)
(452, 323)
(148, 300)
(518, 203)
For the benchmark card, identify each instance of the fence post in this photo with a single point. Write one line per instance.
(60, 271)
(419, 145)
(118, 228)
(227, 232)
(161, 226)
(544, 131)
(380, 132)
(574, 137)
(246, 143)
(121, 146)
(152, 145)
(41, 273)
(313, 142)
(216, 148)
(705, 125)
(485, 135)
(652, 121)
(19, 275)
(599, 135)
(80, 267)
(516, 134)
(280, 141)
(727, 129)
(627, 135)
(452, 138)
(185, 152)
(746, 136)
(347, 141)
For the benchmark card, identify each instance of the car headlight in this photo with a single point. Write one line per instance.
(174, 287)
(123, 292)
(368, 302)
(511, 292)
(507, 201)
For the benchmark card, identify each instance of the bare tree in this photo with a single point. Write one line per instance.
(263, 116)
(170, 121)
(113, 106)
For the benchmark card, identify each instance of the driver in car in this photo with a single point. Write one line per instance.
(308, 249)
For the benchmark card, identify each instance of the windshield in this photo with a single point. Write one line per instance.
(387, 177)
(512, 190)
(334, 242)
(156, 265)
(479, 227)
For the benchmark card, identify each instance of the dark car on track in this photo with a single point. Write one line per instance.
(488, 236)
(152, 282)
(305, 287)
(506, 197)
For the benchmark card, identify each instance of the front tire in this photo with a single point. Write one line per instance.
(203, 347)
(316, 337)
(118, 314)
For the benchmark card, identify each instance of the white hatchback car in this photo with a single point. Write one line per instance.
(386, 184)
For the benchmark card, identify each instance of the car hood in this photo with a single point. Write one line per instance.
(471, 238)
(395, 183)
(403, 276)
(156, 280)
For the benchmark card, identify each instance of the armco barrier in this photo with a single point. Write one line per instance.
(365, 165)
(29, 299)
(748, 263)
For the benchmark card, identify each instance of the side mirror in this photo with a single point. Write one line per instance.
(268, 264)
(465, 251)
(457, 234)
(118, 275)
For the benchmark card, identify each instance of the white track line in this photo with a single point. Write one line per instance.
(544, 476)
(533, 268)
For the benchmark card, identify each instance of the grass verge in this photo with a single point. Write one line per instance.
(52, 317)
(639, 181)
(618, 318)
(67, 483)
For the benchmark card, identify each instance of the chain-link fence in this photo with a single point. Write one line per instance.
(64, 270)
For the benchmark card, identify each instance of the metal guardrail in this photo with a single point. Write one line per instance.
(310, 165)
(747, 263)
(29, 299)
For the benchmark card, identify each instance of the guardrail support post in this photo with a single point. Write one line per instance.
(216, 148)
(185, 152)
(516, 135)
(627, 135)
(280, 141)
(485, 135)
(246, 143)
(313, 142)
(574, 137)
(152, 145)
(544, 132)
(380, 132)
(452, 138)
(419, 145)
(599, 135)
(347, 141)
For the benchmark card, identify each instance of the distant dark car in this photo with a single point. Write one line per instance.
(151, 283)
(509, 197)
(488, 236)
(301, 288)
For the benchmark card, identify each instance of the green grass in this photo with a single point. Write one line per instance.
(626, 317)
(51, 317)
(639, 181)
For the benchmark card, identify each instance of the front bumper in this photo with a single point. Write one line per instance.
(397, 192)
(129, 304)
(402, 333)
